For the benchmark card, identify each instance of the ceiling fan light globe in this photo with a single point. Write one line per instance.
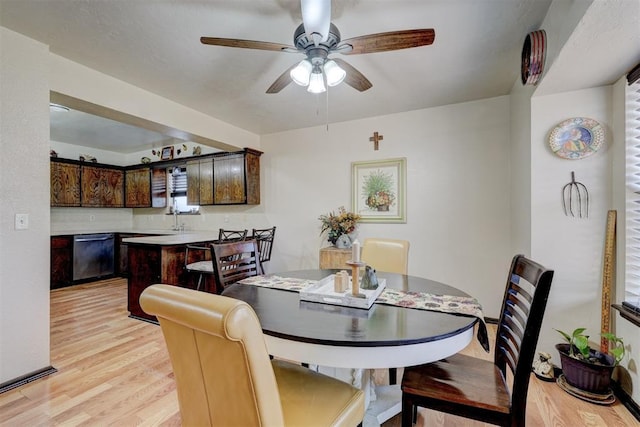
(316, 83)
(316, 16)
(301, 74)
(335, 74)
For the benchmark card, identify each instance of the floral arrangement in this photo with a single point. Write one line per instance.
(338, 224)
(377, 189)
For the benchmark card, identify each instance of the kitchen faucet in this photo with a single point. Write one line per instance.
(175, 217)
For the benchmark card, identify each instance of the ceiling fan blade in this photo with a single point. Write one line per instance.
(354, 78)
(282, 81)
(246, 44)
(392, 40)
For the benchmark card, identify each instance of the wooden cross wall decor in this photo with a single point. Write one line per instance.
(376, 138)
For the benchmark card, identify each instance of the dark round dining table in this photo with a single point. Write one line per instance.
(384, 336)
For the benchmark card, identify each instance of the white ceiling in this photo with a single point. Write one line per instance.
(154, 44)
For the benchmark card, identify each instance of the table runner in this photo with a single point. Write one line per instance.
(466, 306)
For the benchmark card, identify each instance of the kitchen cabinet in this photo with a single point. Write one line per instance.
(61, 261)
(102, 187)
(65, 184)
(200, 182)
(137, 188)
(236, 178)
(145, 187)
(149, 264)
(122, 253)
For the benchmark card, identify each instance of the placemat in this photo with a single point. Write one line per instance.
(466, 306)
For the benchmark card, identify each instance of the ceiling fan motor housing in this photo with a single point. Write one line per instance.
(316, 54)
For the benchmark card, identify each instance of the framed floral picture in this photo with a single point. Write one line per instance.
(378, 190)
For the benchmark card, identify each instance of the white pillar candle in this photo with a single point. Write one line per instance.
(355, 251)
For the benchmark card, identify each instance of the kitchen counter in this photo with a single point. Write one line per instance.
(111, 230)
(174, 239)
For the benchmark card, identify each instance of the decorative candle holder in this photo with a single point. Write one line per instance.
(355, 275)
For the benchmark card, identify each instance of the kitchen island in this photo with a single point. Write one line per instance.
(161, 259)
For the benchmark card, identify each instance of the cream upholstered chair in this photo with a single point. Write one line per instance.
(390, 255)
(223, 372)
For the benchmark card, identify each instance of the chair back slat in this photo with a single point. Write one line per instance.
(234, 261)
(524, 308)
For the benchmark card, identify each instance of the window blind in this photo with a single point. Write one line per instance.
(632, 244)
(178, 182)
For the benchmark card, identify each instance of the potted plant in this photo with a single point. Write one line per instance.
(586, 368)
(340, 225)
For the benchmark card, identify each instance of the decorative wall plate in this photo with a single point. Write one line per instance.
(533, 57)
(576, 138)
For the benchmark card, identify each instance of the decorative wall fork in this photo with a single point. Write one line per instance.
(575, 198)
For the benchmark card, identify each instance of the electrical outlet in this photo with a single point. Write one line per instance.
(92, 218)
(226, 218)
(22, 221)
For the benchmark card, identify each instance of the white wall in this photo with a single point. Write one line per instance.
(24, 188)
(573, 247)
(457, 191)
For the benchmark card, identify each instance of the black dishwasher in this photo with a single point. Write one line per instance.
(93, 255)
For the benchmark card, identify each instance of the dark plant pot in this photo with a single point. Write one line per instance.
(587, 376)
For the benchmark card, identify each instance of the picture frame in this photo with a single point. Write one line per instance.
(167, 153)
(378, 190)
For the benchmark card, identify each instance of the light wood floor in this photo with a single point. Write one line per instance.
(113, 370)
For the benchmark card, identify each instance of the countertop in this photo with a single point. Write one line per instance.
(119, 230)
(175, 239)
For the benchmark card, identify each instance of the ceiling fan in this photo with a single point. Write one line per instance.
(318, 38)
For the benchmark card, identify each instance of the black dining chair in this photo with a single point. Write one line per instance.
(475, 388)
(264, 237)
(231, 235)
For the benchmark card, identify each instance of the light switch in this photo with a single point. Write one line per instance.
(22, 221)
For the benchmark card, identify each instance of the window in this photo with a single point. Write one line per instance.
(632, 136)
(177, 184)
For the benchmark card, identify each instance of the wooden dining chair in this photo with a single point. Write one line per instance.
(264, 237)
(233, 261)
(223, 373)
(203, 265)
(478, 389)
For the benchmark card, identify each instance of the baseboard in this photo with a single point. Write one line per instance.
(9, 385)
(626, 400)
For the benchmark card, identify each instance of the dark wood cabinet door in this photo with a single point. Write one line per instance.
(91, 186)
(229, 179)
(65, 184)
(61, 261)
(102, 187)
(113, 189)
(252, 176)
(138, 188)
(193, 182)
(206, 182)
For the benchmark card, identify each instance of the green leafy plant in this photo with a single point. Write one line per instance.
(377, 188)
(579, 345)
